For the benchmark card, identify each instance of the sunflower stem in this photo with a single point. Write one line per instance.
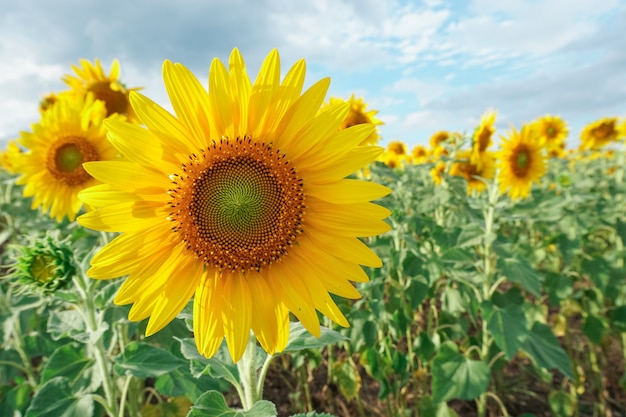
(247, 375)
(262, 374)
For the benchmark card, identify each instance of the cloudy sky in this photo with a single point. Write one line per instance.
(425, 65)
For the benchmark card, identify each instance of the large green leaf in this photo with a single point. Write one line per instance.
(55, 398)
(458, 377)
(507, 326)
(300, 338)
(213, 404)
(518, 270)
(143, 360)
(68, 361)
(543, 346)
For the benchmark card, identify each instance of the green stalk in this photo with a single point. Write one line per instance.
(247, 375)
(88, 311)
(486, 284)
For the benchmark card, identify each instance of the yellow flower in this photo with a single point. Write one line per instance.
(482, 138)
(521, 162)
(437, 172)
(396, 147)
(600, 133)
(474, 173)
(108, 88)
(357, 115)
(419, 154)
(10, 157)
(240, 201)
(552, 130)
(437, 140)
(68, 134)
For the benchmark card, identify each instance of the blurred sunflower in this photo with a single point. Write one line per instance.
(357, 115)
(521, 162)
(437, 172)
(474, 173)
(419, 154)
(241, 199)
(600, 133)
(108, 88)
(438, 139)
(482, 137)
(10, 156)
(552, 130)
(68, 134)
(47, 102)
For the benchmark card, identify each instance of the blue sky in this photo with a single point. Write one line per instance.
(425, 65)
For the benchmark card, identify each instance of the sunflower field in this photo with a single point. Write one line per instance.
(257, 252)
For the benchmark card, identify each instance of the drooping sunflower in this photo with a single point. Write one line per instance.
(522, 162)
(108, 88)
(240, 200)
(483, 134)
(437, 139)
(358, 114)
(68, 134)
(474, 173)
(552, 130)
(600, 133)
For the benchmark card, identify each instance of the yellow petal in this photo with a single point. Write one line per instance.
(207, 314)
(236, 313)
(347, 191)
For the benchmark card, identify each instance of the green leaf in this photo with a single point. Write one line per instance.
(618, 318)
(595, 327)
(561, 404)
(518, 270)
(15, 399)
(429, 408)
(507, 326)
(470, 235)
(543, 346)
(55, 398)
(67, 323)
(68, 361)
(143, 360)
(346, 376)
(313, 414)
(213, 404)
(458, 377)
(300, 338)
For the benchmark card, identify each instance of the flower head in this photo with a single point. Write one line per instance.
(91, 78)
(521, 162)
(552, 130)
(358, 114)
(475, 173)
(68, 134)
(43, 265)
(483, 134)
(600, 133)
(9, 157)
(239, 200)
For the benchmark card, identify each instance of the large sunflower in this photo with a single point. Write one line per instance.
(239, 198)
(600, 133)
(69, 133)
(108, 88)
(358, 114)
(475, 173)
(522, 162)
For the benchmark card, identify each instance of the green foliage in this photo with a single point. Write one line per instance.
(212, 404)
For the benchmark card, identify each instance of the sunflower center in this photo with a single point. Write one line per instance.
(604, 131)
(551, 131)
(354, 118)
(66, 157)
(521, 162)
(42, 268)
(114, 100)
(239, 205)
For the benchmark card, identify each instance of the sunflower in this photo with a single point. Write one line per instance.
(419, 154)
(437, 172)
(474, 173)
(437, 140)
(357, 115)
(10, 156)
(600, 133)
(552, 130)
(108, 88)
(239, 200)
(68, 134)
(521, 162)
(482, 138)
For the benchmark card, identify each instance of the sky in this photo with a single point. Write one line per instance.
(424, 65)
